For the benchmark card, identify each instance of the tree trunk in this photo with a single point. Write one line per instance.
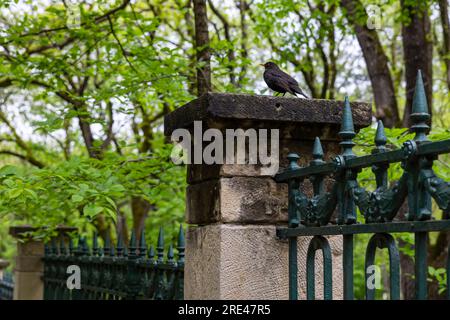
(443, 7)
(202, 47)
(417, 52)
(376, 62)
(140, 208)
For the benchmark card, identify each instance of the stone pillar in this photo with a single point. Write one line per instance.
(3, 265)
(29, 267)
(231, 248)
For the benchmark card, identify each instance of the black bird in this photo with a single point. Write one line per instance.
(280, 81)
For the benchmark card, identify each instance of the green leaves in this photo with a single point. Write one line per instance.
(78, 190)
(91, 210)
(8, 170)
(440, 276)
(77, 198)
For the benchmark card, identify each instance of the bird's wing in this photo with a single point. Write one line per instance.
(289, 79)
(274, 79)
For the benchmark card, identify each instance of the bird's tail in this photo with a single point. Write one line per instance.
(299, 91)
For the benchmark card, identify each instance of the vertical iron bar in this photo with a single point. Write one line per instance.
(319, 243)
(421, 268)
(448, 274)
(293, 269)
(294, 221)
(347, 260)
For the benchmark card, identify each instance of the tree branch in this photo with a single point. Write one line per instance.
(30, 160)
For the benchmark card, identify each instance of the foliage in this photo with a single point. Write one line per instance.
(395, 139)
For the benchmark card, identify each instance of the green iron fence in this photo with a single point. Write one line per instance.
(418, 185)
(6, 286)
(115, 273)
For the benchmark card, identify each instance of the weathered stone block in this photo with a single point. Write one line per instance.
(29, 264)
(237, 199)
(201, 172)
(240, 200)
(28, 286)
(219, 108)
(30, 248)
(248, 262)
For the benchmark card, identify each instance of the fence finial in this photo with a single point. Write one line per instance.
(119, 245)
(181, 237)
(347, 132)
(170, 255)
(85, 246)
(419, 114)
(133, 245)
(54, 248)
(317, 152)
(142, 245)
(107, 245)
(380, 136)
(151, 254)
(71, 248)
(95, 244)
(160, 245)
(181, 246)
(62, 246)
(293, 158)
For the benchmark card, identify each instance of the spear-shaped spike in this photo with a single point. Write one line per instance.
(151, 253)
(420, 104)
(347, 118)
(142, 245)
(119, 245)
(85, 247)
(380, 136)
(170, 255)
(62, 245)
(181, 240)
(54, 248)
(133, 245)
(347, 132)
(317, 152)
(181, 246)
(95, 244)
(112, 251)
(71, 247)
(107, 245)
(79, 245)
(419, 114)
(160, 245)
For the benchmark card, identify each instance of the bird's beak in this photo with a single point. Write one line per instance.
(261, 64)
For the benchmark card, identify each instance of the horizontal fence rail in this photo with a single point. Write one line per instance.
(417, 186)
(6, 286)
(114, 272)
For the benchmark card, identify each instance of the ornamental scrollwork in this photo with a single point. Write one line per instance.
(383, 204)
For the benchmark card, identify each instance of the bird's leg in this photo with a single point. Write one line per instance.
(283, 94)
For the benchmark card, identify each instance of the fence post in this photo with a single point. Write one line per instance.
(3, 265)
(232, 251)
(29, 267)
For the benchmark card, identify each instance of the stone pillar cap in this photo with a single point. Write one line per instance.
(18, 231)
(258, 108)
(3, 264)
